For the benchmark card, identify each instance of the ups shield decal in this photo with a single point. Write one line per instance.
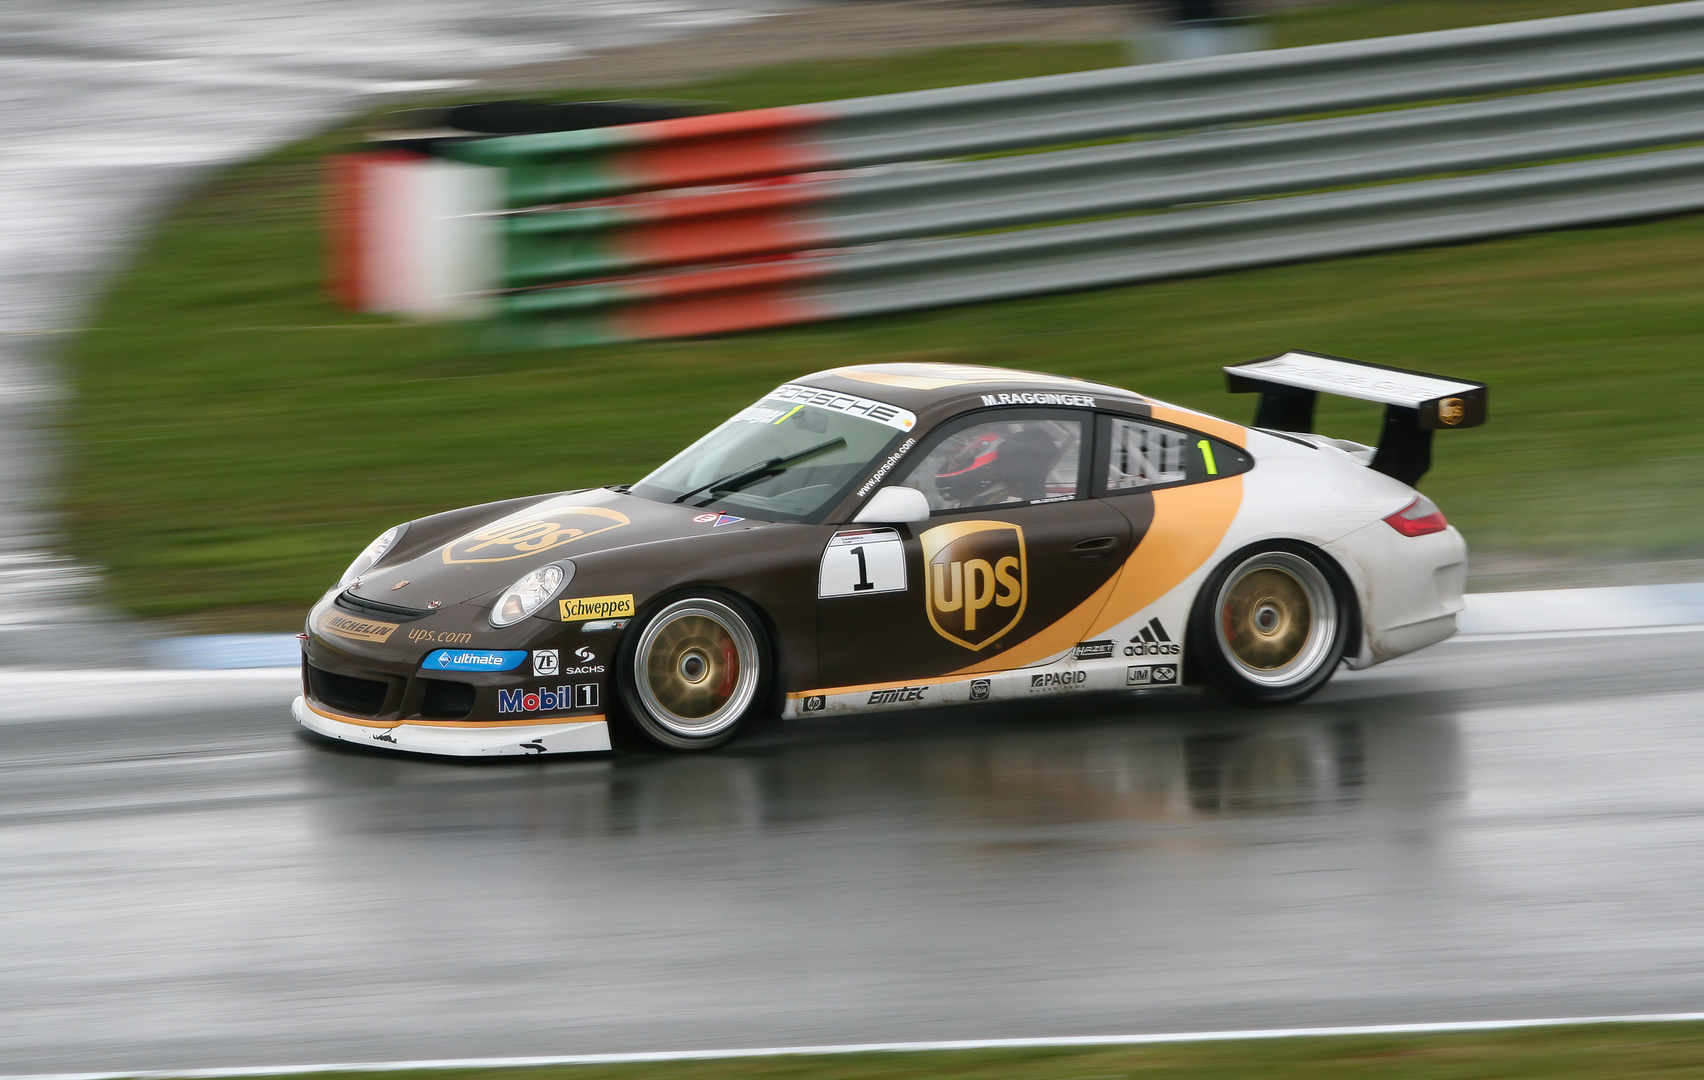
(532, 532)
(977, 580)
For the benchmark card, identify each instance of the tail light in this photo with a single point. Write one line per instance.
(1418, 518)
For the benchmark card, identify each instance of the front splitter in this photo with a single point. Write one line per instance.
(466, 740)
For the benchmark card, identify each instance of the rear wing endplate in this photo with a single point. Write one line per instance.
(1416, 403)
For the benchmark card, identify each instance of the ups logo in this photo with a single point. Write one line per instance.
(1451, 410)
(533, 531)
(976, 579)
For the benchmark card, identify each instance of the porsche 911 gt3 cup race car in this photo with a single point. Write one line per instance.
(892, 536)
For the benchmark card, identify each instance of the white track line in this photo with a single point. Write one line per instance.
(866, 1048)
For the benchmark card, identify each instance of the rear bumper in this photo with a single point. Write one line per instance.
(459, 739)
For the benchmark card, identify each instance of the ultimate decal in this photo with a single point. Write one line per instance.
(533, 532)
(976, 578)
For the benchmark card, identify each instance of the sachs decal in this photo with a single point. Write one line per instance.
(533, 531)
(977, 580)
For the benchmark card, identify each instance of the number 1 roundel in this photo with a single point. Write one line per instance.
(859, 562)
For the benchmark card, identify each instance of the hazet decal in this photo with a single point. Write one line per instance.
(532, 532)
(975, 580)
(1093, 650)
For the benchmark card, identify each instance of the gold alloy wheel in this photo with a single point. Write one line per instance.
(1277, 618)
(696, 668)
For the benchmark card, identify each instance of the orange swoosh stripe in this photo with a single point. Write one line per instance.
(1189, 523)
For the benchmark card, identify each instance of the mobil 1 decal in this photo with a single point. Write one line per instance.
(862, 562)
(976, 580)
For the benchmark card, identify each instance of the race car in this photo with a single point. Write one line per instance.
(891, 536)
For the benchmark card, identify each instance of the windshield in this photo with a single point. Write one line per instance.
(789, 457)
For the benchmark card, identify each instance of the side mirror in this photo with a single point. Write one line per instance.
(893, 504)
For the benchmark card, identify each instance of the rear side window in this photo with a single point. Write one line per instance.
(1142, 455)
(1136, 455)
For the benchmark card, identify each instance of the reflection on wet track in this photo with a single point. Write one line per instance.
(1484, 830)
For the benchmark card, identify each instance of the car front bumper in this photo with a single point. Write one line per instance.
(459, 739)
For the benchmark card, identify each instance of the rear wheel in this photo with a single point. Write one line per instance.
(1271, 624)
(694, 674)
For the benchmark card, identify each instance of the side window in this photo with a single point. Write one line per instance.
(1142, 455)
(1000, 460)
(1139, 454)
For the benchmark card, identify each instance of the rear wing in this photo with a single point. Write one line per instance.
(1416, 404)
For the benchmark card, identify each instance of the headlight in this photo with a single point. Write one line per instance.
(371, 554)
(526, 596)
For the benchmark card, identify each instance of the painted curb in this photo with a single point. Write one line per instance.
(1618, 607)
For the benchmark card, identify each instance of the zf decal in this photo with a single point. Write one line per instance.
(897, 694)
(1152, 675)
(862, 562)
(580, 696)
(976, 580)
(533, 531)
(546, 662)
(1152, 641)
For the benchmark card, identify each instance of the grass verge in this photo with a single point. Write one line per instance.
(237, 439)
(1594, 1052)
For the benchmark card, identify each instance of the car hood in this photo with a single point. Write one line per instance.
(464, 555)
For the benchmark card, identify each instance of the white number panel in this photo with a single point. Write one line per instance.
(862, 561)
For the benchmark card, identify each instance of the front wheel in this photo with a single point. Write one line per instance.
(694, 674)
(1271, 624)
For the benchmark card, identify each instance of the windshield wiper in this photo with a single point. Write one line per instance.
(740, 478)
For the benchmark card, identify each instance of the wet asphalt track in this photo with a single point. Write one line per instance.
(1494, 828)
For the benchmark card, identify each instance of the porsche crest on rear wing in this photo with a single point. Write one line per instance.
(1416, 403)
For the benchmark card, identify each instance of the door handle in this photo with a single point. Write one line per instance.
(1101, 547)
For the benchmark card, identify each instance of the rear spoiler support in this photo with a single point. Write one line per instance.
(1416, 403)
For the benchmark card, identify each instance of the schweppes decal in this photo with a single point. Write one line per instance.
(359, 629)
(976, 580)
(533, 531)
(597, 607)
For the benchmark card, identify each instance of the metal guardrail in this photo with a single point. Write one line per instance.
(848, 208)
(649, 231)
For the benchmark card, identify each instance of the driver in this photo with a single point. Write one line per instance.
(991, 468)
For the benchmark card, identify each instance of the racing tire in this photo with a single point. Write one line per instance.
(693, 673)
(1271, 624)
